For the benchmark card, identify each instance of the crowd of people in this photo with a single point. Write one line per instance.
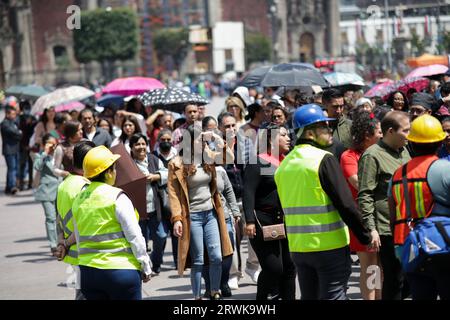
(322, 164)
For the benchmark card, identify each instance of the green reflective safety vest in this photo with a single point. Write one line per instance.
(101, 242)
(312, 222)
(67, 192)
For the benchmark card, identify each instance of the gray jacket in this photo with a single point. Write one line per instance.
(49, 182)
(230, 206)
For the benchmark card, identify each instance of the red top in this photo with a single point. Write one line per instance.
(349, 165)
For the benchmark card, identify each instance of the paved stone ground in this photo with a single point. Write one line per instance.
(28, 272)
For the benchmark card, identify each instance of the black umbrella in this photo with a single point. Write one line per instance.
(254, 77)
(173, 99)
(293, 75)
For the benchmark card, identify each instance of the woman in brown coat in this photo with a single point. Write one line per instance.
(197, 212)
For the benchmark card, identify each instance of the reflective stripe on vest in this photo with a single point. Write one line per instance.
(65, 223)
(309, 210)
(312, 222)
(412, 195)
(67, 192)
(102, 243)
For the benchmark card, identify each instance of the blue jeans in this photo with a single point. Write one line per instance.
(157, 231)
(205, 232)
(110, 284)
(226, 263)
(12, 162)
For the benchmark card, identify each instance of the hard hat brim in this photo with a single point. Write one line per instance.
(106, 165)
(439, 138)
(317, 121)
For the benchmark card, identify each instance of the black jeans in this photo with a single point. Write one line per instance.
(277, 275)
(323, 275)
(394, 284)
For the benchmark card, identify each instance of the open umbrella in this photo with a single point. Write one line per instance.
(26, 91)
(254, 77)
(411, 84)
(344, 78)
(293, 75)
(427, 71)
(130, 179)
(61, 96)
(108, 99)
(172, 99)
(380, 89)
(132, 86)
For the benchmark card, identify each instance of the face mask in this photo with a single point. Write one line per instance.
(165, 146)
(110, 178)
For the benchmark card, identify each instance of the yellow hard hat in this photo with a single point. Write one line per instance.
(426, 129)
(97, 160)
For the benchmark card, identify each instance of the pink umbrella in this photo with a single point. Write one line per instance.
(408, 86)
(379, 90)
(74, 105)
(132, 86)
(427, 71)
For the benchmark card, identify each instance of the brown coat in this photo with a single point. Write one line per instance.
(179, 206)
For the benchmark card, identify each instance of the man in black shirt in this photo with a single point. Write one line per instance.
(318, 207)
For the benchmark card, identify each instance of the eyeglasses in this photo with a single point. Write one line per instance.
(416, 111)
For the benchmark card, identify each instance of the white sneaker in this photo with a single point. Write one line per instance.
(233, 283)
(253, 274)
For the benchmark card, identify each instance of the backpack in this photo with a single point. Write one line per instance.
(429, 239)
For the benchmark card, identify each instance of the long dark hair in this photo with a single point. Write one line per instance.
(137, 129)
(44, 118)
(71, 128)
(390, 100)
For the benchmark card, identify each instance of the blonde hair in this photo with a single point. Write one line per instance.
(235, 101)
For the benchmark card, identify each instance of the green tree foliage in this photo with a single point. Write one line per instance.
(444, 45)
(417, 44)
(171, 42)
(257, 48)
(106, 35)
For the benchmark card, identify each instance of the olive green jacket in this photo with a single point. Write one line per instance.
(375, 170)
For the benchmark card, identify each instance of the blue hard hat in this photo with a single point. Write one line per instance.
(309, 114)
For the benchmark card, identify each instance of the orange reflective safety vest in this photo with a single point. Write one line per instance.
(412, 195)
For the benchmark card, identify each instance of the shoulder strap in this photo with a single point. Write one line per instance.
(443, 232)
(405, 191)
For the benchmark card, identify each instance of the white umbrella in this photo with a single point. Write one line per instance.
(61, 96)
